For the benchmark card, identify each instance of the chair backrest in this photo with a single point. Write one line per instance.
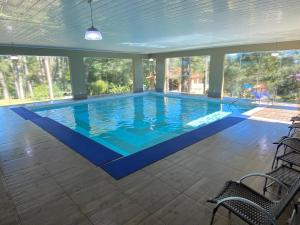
(284, 202)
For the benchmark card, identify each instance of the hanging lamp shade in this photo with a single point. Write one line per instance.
(92, 33)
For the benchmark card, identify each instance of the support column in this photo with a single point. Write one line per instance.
(216, 75)
(78, 81)
(160, 74)
(138, 78)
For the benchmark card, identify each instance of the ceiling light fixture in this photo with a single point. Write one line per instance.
(92, 33)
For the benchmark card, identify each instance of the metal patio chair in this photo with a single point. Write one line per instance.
(251, 206)
(294, 128)
(291, 152)
(284, 174)
(295, 119)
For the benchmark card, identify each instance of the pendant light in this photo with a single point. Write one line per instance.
(92, 33)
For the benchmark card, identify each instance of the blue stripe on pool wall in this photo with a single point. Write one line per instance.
(127, 165)
(91, 150)
(25, 113)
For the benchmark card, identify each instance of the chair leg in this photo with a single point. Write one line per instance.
(213, 215)
(276, 165)
(291, 220)
(279, 191)
(290, 132)
(273, 163)
(265, 186)
(275, 157)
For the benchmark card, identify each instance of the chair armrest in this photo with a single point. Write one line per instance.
(253, 204)
(280, 140)
(265, 176)
(294, 126)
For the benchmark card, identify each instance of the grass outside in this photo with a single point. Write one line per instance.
(10, 102)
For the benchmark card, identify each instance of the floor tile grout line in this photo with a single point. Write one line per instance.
(12, 200)
(68, 196)
(151, 213)
(198, 202)
(121, 192)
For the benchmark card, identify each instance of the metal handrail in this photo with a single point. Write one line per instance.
(232, 102)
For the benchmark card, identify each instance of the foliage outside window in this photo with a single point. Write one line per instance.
(187, 74)
(149, 72)
(109, 76)
(259, 75)
(33, 78)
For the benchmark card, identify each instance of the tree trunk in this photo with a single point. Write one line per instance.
(4, 86)
(206, 76)
(30, 89)
(60, 71)
(20, 80)
(185, 74)
(167, 87)
(48, 75)
(28, 82)
(41, 71)
(16, 83)
(17, 88)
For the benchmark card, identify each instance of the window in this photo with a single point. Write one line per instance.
(187, 74)
(33, 78)
(259, 75)
(109, 76)
(149, 72)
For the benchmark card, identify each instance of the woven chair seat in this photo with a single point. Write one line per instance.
(286, 175)
(292, 158)
(245, 211)
(251, 206)
(293, 143)
(291, 146)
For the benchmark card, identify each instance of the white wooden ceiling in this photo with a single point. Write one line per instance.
(148, 26)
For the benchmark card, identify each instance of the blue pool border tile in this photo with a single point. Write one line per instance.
(25, 113)
(93, 151)
(124, 166)
(114, 163)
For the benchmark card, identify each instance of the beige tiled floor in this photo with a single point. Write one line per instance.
(44, 182)
(278, 113)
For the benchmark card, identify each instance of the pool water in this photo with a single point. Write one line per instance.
(130, 124)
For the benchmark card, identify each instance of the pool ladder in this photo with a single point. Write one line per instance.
(231, 103)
